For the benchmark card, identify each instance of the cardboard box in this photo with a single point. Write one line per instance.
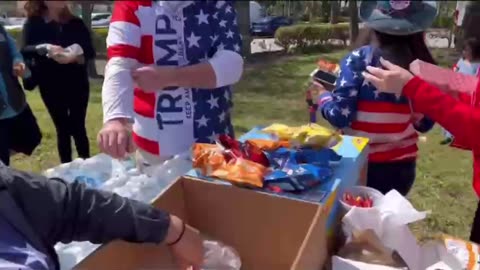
(269, 232)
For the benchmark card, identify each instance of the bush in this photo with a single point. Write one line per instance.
(443, 22)
(303, 36)
(99, 38)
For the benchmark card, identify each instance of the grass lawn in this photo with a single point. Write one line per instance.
(275, 93)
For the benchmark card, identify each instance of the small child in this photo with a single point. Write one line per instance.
(468, 64)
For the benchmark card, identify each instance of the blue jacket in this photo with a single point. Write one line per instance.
(12, 98)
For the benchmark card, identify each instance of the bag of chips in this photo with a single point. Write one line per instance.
(241, 172)
(311, 135)
(467, 253)
(207, 158)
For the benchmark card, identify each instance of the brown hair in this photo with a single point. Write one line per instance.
(38, 8)
(400, 50)
(474, 46)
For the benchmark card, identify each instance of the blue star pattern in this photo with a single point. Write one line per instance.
(213, 27)
(16, 253)
(340, 107)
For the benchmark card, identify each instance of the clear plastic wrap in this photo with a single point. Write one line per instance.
(220, 256)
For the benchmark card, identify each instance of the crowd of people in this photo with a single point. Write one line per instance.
(167, 85)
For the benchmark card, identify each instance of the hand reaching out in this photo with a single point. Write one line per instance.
(391, 79)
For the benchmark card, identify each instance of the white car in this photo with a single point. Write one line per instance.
(12, 23)
(101, 20)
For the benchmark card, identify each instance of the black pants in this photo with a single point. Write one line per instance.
(5, 140)
(475, 233)
(392, 175)
(68, 109)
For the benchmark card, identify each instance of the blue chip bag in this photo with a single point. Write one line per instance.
(323, 157)
(298, 177)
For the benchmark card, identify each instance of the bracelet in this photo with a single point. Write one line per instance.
(184, 227)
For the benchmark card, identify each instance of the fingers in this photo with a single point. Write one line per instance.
(387, 64)
(372, 79)
(377, 72)
(122, 144)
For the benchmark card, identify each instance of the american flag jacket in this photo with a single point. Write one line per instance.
(359, 109)
(172, 33)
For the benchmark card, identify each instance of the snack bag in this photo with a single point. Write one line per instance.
(316, 136)
(283, 132)
(298, 177)
(207, 158)
(268, 145)
(235, 149)
(466, 252)
(241, 172)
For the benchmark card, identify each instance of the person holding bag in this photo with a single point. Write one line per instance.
(15, 114)
(59, 45)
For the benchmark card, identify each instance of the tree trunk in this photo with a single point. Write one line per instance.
(243, 19)
(353, 10)
(87, 8)
(334, 11)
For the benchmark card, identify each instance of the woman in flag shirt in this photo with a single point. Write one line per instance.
(170, 68)
(388, 120)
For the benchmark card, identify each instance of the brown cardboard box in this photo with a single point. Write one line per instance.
(269, 232)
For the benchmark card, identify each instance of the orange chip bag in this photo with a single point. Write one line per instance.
(241, 172)
(207, 157)
(269, 145)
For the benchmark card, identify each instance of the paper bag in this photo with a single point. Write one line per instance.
(366, 247)
(389, 220)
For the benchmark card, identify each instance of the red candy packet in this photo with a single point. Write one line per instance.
(446, 79)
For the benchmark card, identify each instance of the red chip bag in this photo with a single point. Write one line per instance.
(445, 79)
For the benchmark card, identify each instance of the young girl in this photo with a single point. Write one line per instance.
(388, 120)
(468, 64)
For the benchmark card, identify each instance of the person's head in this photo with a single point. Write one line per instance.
(471, 49)
(397, 29)
(54, 9)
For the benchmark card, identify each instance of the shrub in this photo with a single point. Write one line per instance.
(302, 36)
(443, 22)
(99, 38)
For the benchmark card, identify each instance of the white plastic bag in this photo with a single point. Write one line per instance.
(219, 256)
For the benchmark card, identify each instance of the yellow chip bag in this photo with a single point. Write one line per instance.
(283, 132)
(316, 136)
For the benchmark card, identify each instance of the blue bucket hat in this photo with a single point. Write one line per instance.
(397, 17)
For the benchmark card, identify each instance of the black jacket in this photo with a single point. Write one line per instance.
(47, 73)
(48, 211)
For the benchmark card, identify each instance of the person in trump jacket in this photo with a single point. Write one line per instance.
(169, 71)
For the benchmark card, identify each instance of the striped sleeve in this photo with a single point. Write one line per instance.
(123, 51)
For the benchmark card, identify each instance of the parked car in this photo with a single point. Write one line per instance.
(267, 26)
(101, 20)
(12, 23)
